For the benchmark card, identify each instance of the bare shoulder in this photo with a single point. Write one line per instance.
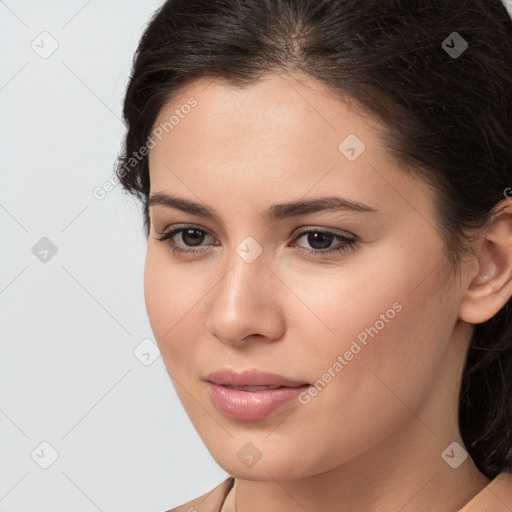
(503, 487)
(496, 497)
(211, 501)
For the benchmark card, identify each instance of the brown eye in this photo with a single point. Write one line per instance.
(190, 237)
(320, 242)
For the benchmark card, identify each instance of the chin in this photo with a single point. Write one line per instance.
(267, 464)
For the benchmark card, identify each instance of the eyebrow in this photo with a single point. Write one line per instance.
(275, 212)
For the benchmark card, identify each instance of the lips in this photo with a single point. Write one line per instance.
(251, 380)
(251, 395)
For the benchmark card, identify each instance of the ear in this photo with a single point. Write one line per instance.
(491, 287)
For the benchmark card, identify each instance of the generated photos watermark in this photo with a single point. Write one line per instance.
(101, 191)
(355, 348)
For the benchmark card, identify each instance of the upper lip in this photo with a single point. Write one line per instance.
(253, 377)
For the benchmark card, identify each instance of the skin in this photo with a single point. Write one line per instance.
(372, 439)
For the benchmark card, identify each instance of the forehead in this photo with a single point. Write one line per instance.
(278, 116)
(281, 136)
(271, 106)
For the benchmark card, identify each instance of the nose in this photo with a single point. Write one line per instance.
(247, 303)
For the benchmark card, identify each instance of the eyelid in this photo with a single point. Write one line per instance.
(332, 231)
(186, 225)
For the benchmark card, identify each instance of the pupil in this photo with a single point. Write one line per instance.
(190, 239)
(314, 238)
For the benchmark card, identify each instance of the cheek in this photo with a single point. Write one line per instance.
(157, 293)
(369, 374)
(170, 297)
(383, 348)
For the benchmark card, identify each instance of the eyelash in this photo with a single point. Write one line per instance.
(348, 241)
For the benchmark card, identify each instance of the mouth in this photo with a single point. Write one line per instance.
(252, 395)
(252, 380)
(259, 388)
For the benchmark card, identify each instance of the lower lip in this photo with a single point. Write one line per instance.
(251, 405)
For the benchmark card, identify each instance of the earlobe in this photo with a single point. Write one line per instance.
(490, 289)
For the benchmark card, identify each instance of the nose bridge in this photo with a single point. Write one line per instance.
(242, 299)
(247, 269)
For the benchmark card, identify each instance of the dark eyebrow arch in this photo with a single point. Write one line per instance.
(275, 212)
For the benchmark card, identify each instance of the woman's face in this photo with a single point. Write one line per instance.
(368, 326)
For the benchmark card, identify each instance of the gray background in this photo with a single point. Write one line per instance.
(79, 368)
(69, 326)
